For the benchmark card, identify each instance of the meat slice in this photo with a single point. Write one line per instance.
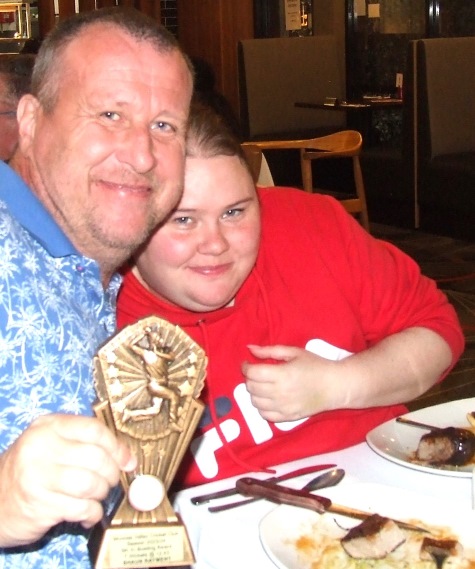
(374, 538)
(447, 446)
(440, 548)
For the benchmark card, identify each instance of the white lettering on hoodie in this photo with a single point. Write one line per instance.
(204, 447)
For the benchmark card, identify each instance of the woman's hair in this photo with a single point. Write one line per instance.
(17, 69)
(210, 135)
(48, 67)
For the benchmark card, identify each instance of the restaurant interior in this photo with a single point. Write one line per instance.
(301, 69)
(399, 72)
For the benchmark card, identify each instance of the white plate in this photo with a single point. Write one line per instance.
(287, 532)
(398, 442)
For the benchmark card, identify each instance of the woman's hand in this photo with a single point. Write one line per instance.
(297, 385)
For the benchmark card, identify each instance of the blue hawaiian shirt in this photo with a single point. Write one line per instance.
(54, 314)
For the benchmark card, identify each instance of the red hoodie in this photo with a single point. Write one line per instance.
(320, 282)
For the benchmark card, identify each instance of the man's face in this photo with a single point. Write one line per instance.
(8, 122)
(108, 160)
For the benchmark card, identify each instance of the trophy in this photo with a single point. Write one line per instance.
(148, 378)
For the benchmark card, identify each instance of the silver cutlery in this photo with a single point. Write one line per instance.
(204, 498)
(304, 499)
(325, 480)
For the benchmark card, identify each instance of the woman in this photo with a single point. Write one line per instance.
(315, 331)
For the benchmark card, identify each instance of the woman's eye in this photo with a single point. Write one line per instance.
(182, 220)
(234, 212)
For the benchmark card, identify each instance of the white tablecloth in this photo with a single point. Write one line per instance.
(230, 539)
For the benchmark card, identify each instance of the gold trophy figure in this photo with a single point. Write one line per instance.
(148, 379)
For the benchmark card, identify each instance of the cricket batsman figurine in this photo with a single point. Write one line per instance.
(148, 380)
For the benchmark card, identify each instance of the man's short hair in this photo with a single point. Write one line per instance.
(47, 71)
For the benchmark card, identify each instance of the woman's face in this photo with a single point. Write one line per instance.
(204, 252)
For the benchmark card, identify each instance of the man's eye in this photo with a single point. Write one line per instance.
(163, 127)
(113, 116)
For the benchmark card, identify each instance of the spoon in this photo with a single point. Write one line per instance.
(326, 480)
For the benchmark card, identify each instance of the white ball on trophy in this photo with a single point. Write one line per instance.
(146, 492)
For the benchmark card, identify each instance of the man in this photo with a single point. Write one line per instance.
(15, 76)
(100, 162)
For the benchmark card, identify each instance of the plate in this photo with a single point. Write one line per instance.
(289, 534)
(398, 442)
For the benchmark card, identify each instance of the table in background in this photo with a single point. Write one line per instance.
(231, 539)
(360, 113)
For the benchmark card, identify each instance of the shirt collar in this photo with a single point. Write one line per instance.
(32, 215)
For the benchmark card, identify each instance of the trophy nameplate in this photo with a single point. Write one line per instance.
(148, 379)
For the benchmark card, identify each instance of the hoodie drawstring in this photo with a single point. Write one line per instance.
(230, 452)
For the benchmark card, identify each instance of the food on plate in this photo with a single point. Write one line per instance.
(321, 546)
(373, 538)
(471, 418)
(452, 446)
(440, 548)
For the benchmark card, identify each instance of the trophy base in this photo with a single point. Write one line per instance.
(141, 546)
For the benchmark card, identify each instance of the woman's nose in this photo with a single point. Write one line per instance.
(213, 240)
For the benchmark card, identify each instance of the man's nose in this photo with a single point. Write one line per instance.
(137, 149)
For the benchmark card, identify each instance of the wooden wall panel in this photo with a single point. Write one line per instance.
(211, 29)
(149, 7)
(238, 23)
(47, 17)
(66, 9)
(86, 5)
(105, 3)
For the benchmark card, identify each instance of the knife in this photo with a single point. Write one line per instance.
(285, 495)
(204, 498)
(320, 481)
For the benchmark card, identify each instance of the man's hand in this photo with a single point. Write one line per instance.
(59, 469)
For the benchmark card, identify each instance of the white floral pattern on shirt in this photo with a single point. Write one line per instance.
(54, 314)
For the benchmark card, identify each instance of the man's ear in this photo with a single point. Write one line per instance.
(27, 114)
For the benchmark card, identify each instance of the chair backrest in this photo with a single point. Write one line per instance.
(274, 73)
(343, 144)
(261, 173)
(446, 95)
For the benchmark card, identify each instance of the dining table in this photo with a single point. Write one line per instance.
(231, 539)
(359, 112)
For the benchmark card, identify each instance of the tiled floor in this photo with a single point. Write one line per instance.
(452, 264)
